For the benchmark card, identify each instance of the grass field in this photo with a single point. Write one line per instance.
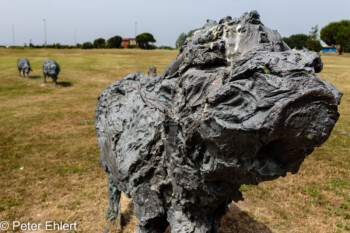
(49, 157)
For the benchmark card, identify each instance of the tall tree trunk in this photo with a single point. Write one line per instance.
(341, 49)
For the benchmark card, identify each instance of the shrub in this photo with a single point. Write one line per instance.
(297, 41)
(99, 43)
(314, 45)
(87, 45)
(114, 42)
(144, 39)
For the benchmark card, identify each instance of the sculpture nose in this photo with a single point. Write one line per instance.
(309, 119)
(303, 125)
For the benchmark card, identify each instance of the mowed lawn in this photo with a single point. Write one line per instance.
(49, 159)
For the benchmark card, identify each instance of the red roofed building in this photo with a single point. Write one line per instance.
(129, 42)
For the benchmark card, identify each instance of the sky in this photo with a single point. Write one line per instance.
(78, 21)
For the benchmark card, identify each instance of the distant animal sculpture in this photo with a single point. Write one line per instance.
(237, 106)
(51, 69)
(23, 66)
(152, 72)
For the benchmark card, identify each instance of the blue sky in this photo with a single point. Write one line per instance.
(165, 19)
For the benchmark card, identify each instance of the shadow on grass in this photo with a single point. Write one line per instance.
(35, 76)
(127, 215)
(239, 221)
(64, 84)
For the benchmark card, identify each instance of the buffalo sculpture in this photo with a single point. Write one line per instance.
(23, 67)
(237, 106)
(51, 69)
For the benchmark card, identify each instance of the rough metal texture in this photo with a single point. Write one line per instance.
(51, 69)
(236, 106)
(23, 67)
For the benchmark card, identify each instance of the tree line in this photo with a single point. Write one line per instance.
(143, 41)
(301, 41)
(334, 34)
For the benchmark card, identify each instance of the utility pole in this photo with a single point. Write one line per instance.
(45, 32)
(75, 37)
(135, 29)
(13, 35)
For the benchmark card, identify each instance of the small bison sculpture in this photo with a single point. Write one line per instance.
(23, 67)
(51, 69)
(237, 106)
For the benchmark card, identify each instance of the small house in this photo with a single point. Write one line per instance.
(129, 42)
(329, 49)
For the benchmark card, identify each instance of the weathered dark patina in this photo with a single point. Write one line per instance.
(51, 69)
(23, 67)
(236, 106)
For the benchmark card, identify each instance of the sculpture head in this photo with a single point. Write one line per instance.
(252, 108)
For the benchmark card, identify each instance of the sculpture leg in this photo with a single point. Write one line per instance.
(44, 78)
(149, 209)
(114, 209)
(54, 80)
(19, 73)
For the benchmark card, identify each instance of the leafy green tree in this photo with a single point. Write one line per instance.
(313, 43)
(347, 48)
(313, 34)
(190, 33)
(337, 33)
(99, 43)
(181, 40)
(114, 42)
(297, 41)
(87, 45)
(144, 39)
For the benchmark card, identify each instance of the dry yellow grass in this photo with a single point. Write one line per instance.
(49, 157)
